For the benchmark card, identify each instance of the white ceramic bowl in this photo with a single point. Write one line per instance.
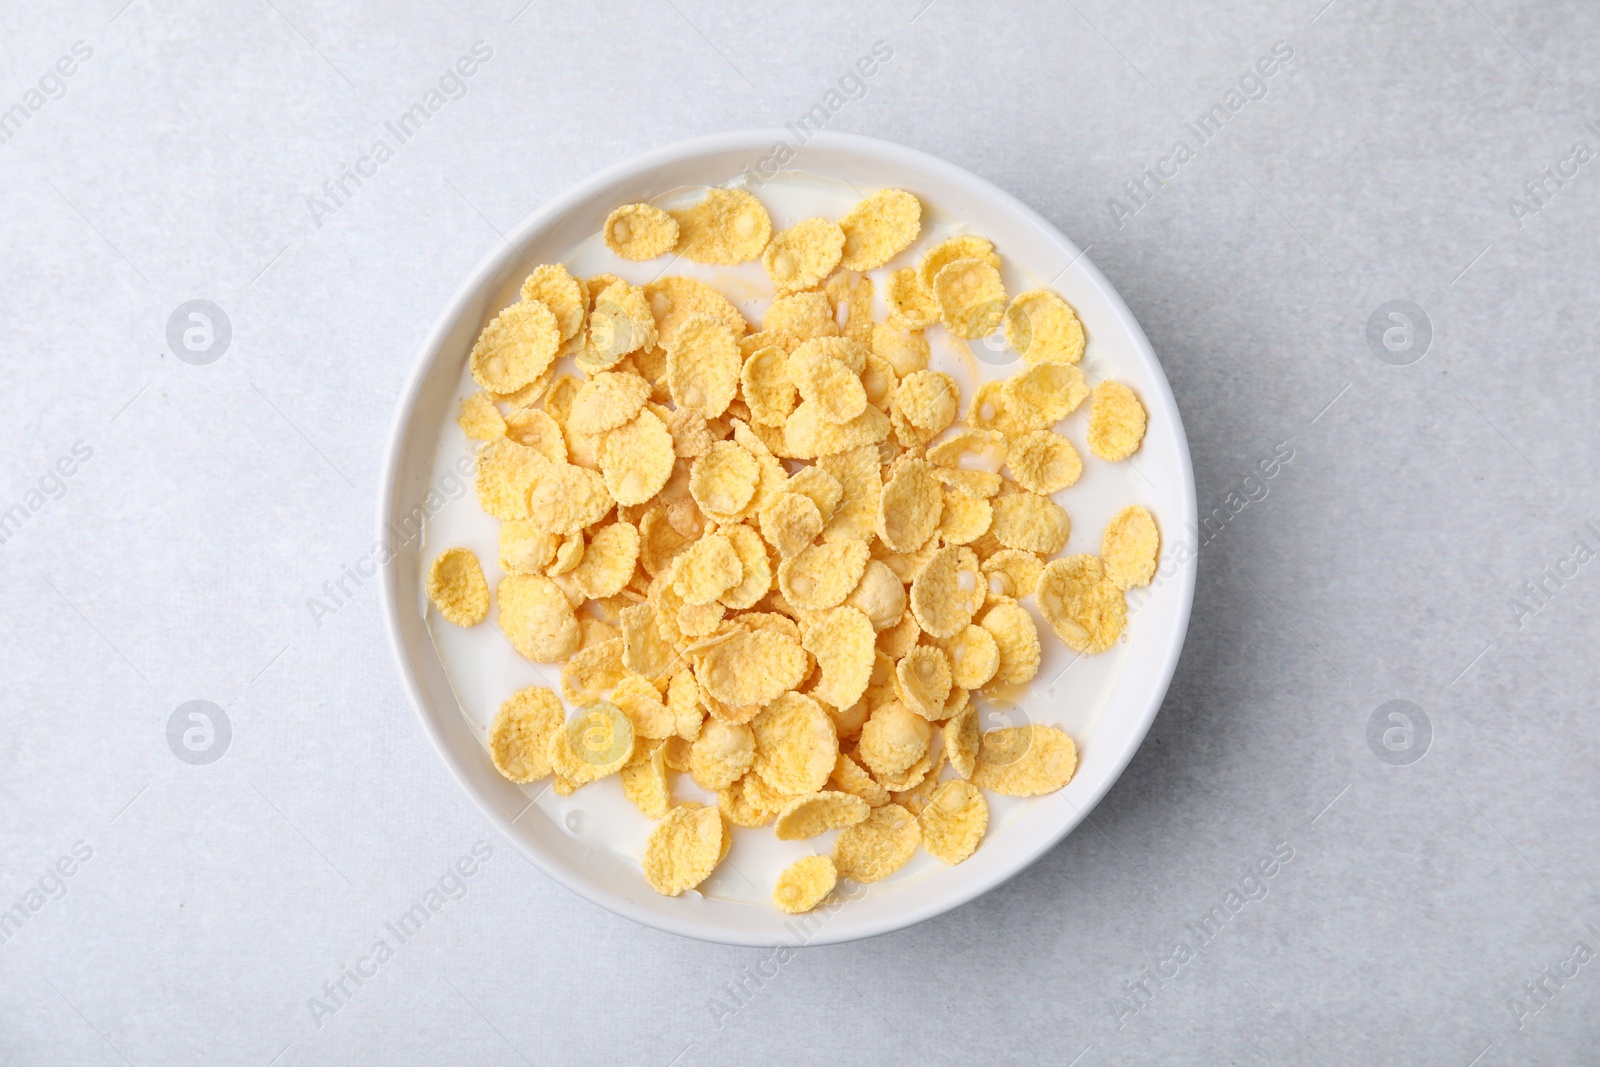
(1118, 348)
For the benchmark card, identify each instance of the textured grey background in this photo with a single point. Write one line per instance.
(1381, 563)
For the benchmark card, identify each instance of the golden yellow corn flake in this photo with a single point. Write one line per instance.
(535, 429)
(966, 246)
(701, 620)
(1129, 546)
(809, 434)
(683, 849)
(804, 315)
(902, 782)
(766, 386)
(506, 472)
(954, 821)
(597, 741)
(729, 226)
(1025, 761)
(640, 231)
(909, 507)
(912, 305)
(1043, 395)
(636, 459)
(1116, 422)
(721, 754)
(852, 293)
(737, 807)
(536, 618)
(1044, 462)
(965, 517)
(641, 702)
(987, 411)
(1085, 608)
(568, 555)
(757, 579)
(804, 884)
(850, 777)
(841, 639)
(551, 285)
(961, 739)
(644, 781)
(516, 347)
(880, 595)
(675, 299)
(893, 739)
(606, 401)
(519, 737)
(925, 402)
(709, 568)
(790, 523)
(879, 228)
(817, 813)
(796, 745)
(856, 514)
(971, 296)
(608, 561)
(924, 680)
(1017, 638)
(723, 480)
(592, 671)
(644, 650)
(827, 383)
(947, 591)
(480, 419)
(974, 657)
(878, 845)
(1013, 573)
(804, 254)
(1030, 522)
(751, 667)
(905, 352)
(566, 498)
(703, 364)
(821, 576)
(457, 587)
(526, 547)
(683, 699)
(1041, 327)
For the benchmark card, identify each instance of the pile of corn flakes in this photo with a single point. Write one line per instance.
(773, 559)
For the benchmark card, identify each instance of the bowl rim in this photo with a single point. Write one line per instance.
(1160, 401)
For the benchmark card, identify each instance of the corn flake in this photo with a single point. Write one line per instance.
(721, 754)
(683, 849)
(766, 386)
(568, 555)
(961, 739)
(893, 739)
(606, 401)
(757, 579)
(841, 639)
(974, 657)
(947, 591)
(709, 568)
(965, 246)
(539, 431)
(1030, 522)
(723, 480)
(965, 518)
(1017, 639)
(1116, 422)
(551, 285)
(644, 781)
(536, 618)
(804, 254)
(827, 383)
(1085, 608)
(880, 227)
(954, 821)
(1044, 462)
(912, 305)
(675, 299)
(821, 576)
(1041, 327)
(810, 434)
(641, 702)
(790, 523)
(817, 813)
(479, 418)
(636, 458)
(796, 745)
(804, 884)
(910, 507)
(519, 737)
(877, 846)
(516, 347)
(640, 231)
(729, 226)
(804, 315)
(880, 595)
(1043, 395)
(923, 675)
(751, 667)
(457, 587)
(1025, 761)
(703, 365)
(565, 498)
(597, 741)
(971, 296)
(526, 547)
(592, 671)
(1129, 546)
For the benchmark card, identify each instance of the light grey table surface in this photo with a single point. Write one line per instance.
(1434, 910)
